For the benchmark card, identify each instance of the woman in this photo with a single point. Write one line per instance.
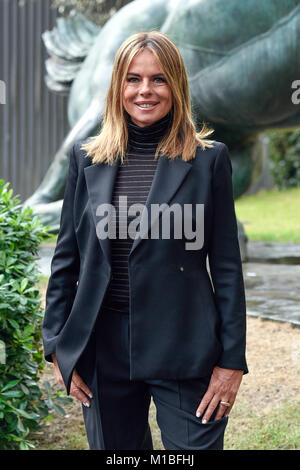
(131, 311)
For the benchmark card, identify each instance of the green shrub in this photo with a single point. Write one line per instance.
(285, 158)
(22, 406)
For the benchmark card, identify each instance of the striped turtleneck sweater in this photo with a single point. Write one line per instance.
(134, 179)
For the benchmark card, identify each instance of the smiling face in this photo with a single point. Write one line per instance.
(147, 96)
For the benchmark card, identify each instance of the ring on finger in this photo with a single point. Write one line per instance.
(225, 403)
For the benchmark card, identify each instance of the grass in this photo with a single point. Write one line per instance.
(52, 239)
(59, 437)
(271, 215)
(274, 429)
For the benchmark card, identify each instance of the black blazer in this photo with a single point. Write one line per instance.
(181, 323)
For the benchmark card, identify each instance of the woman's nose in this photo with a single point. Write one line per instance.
(145, 86)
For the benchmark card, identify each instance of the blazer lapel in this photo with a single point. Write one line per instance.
(168, 177)
(100, 180)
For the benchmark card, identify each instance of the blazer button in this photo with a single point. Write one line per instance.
(181, 268)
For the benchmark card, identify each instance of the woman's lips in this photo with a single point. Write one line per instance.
(147, 108)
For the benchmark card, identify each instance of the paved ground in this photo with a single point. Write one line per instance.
(273, 291)
(271, 274)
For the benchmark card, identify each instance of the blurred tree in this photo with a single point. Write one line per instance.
(285, 158)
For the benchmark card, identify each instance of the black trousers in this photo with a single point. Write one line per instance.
(118, 416)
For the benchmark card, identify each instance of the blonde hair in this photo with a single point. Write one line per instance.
(182, 139)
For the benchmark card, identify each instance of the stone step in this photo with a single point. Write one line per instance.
(273, 252)
(272, 291)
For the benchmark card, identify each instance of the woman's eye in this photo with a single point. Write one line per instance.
(156, 79)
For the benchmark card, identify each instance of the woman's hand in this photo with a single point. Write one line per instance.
(78, 388)
(223, 386)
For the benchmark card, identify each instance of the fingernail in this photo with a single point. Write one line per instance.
(86, 404)
(198, 414)
(90, 395)
(204, 421)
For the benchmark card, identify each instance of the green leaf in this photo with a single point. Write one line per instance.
(23, 446)
(20, 426)
(12, 426)
(13, 323)
(4, 306)
(25, 389)
(49, 403)
(64, 400)
(10, 384)
(28, 330)
(12, 394)
(24, 284)
(47, 387)
(59, 409)
(27, 415)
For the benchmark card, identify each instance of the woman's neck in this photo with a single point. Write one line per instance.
(146, 138)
